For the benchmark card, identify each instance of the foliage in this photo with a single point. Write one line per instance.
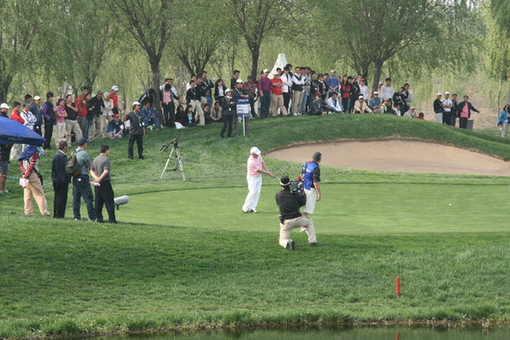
(21, 24)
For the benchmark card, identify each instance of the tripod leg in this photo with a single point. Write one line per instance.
(181, 167)
(166, 165)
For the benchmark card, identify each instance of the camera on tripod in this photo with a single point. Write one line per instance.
(174, 141)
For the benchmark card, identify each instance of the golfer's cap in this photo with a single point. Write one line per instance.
(284, 181)
(115, 115)
(265, 70)
(447, 92)
(375, 92)
(439, 94)
(228, 90)
(26, 105)
(332, 71)
(136, 103)
(37, 98)
(4, 106)
(316, 156)
(115, 88)
(255, 150)
(239, 81)
(361, 97)
(82, 141)
(99, 92)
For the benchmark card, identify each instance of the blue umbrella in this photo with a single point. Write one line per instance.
(13, 132)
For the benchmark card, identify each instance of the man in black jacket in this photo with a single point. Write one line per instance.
(96, 108)
(290, 217)
(60, 180)
(464, 112)
(136, 130)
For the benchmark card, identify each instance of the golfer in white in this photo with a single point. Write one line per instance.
(256, 167)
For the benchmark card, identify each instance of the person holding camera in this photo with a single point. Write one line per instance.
(256, 167)
(289, 204)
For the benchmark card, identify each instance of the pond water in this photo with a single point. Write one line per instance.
(332, 333)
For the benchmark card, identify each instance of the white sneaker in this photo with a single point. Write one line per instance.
(303, 230)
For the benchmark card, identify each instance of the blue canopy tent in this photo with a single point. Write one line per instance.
(13, 132)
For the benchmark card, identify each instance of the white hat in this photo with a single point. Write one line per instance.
(255, 150)
(37, 98)
(265, 70)
(136, 103)
(115, 88)
(228, 90)
(439, 94)
(361, 97)
(239, 81)
(332, 71)
(4, 106)
(412, 108)
(447, 92)
(375, 92)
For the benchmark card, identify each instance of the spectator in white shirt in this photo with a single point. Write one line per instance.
(334, 104)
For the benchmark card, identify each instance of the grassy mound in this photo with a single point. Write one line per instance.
(186, 257)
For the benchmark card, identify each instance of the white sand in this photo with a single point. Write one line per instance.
(398, 156)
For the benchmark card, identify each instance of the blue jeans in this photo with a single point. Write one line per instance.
(81, 188)
(89, 124)
(265, 101)
(304, 102)
(149, 121)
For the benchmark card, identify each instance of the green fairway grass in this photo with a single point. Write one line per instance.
(185, 256)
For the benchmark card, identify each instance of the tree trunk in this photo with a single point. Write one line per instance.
(255, 53)
(4, 88)
(156, 79)
(377, 74)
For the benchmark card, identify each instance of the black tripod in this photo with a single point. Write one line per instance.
(178, 159)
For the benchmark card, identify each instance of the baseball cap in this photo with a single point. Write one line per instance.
(99, 92)
(447, 92)
(332, 71)
(439, 94)
(37, 98)
(265, 70)
(250, 77)
(228, 90)
(115, 115)
(361, 97)
(316, 156)
(136, 103)
(412, 108)
(255, 150)
(4, 106)
(115, 88)
(375, 92)
(82, 141)
(284, 181)
(26, 105)
(239, 81)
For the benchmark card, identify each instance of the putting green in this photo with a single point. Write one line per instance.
(345, 209)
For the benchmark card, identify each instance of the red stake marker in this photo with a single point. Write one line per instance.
(397, 282)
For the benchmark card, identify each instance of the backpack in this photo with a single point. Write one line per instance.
(72, 167)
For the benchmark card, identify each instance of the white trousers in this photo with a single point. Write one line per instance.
(298, 222)
(311, 198)
(254, 188)
(439, 118)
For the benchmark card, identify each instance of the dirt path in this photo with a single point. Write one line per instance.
(398, 156)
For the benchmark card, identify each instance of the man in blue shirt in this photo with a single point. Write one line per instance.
(311, 175)
(332, 83)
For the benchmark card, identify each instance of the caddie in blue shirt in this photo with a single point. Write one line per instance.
(311, 174)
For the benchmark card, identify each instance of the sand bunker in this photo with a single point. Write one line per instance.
(398, 156)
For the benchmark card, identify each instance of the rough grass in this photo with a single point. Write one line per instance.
(186, 257)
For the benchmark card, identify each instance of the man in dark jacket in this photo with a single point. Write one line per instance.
(290, 217)
(136, 130)
(60, 180)
(35, 108)
(96, 108)
(228, 109)
(49, 119)
(464, 112)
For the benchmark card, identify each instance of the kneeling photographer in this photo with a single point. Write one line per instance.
(289, 202)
